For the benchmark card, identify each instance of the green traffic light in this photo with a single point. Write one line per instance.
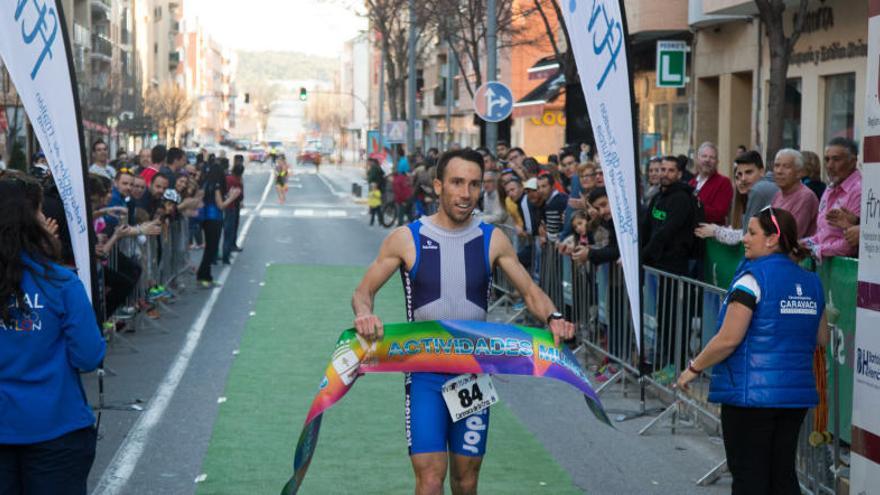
(303, 94)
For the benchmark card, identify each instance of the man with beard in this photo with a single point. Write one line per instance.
(430, 253)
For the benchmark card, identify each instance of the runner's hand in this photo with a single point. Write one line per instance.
(369, 326)
(561, 330)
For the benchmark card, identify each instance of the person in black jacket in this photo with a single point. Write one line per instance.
(668, 231)
(668, 226)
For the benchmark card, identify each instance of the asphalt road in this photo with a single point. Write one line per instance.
(176, 375)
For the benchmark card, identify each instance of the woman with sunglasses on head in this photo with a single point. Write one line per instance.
(48, 334)
(772, 319)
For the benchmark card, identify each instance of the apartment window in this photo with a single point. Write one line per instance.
(791, 124)
(157, 13)
(840, 103)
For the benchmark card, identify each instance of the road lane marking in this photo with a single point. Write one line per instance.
(121, 467)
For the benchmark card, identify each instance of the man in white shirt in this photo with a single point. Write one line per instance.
(101, 159)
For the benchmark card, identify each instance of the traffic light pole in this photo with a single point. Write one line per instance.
(491, 67)
(411, 81)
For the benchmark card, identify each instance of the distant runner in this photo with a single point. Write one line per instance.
(455, 247)
(282, 173)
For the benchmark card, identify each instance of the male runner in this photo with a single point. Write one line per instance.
(446, 262)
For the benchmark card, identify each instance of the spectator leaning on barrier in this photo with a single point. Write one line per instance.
(762, 356)
(668, 225)
(598, 198)
(793, 195)
(150, 201)
(840, 206)
(48, 334)
(811, 175)
(515, 158)
(759, 190)
(713, 189)
(216, 199)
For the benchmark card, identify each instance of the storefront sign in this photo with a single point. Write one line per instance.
(865, 463)
(550, 118)
(671, 64)
(834, 51)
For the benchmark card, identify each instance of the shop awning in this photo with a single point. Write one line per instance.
(544, 68)
(532, 104)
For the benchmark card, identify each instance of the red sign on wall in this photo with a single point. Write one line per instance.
(4, 124)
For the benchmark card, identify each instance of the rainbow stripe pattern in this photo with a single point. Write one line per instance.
(453, 346)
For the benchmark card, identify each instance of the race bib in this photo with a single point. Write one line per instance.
(468, 394)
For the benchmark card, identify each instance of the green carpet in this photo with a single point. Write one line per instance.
(286, 347)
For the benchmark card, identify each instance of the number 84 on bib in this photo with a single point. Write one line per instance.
(467, 394)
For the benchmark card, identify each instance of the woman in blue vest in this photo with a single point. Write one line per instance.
(48, 333)
(211, 217)
(762, 357)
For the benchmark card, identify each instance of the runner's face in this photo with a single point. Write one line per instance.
(459, 190)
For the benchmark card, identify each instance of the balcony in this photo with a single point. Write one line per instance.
(102, 48)
(101, 10)
(81, 34)
(648, 18)
(737, 7)
(173, 60)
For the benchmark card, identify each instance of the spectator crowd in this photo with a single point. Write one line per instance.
(150, 210)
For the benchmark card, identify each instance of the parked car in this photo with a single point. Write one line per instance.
(257, 154)
(309, 156)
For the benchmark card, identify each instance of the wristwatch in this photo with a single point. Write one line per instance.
(556, 315)
(692, 369)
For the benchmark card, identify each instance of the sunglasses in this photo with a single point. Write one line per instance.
(773, 218)
(125, 170)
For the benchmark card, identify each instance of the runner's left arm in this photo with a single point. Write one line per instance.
(504, 256)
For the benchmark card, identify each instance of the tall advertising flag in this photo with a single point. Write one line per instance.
(35, 48)
(865, 465)
(597, 29)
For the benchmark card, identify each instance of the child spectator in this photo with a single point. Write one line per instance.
(374, 201)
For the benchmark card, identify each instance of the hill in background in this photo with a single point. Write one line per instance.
(256, 67)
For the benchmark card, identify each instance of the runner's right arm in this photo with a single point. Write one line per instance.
(392, 254)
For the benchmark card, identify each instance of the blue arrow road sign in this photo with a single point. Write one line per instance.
(493, 101)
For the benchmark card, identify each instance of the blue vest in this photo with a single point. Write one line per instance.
(773, 365)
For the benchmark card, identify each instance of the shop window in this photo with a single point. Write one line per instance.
(840, 99)
(791, 125)
(671, 127)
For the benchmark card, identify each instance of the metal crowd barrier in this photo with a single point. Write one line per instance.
(162, 260)
(680, 316)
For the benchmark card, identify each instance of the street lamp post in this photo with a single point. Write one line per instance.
(491, 67)
(411, 81)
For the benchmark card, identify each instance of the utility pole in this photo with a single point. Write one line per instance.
(491, 67)
(382, 100)
(450, 97)
(411, 81)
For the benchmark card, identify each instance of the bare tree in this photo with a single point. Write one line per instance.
(772, 15)
(169, 107)
(263, 97)
(390, 19)
(577, 119)
(463, 23)
(325, 114)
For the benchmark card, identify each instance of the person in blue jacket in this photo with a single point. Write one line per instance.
(772, 319)
(48, 334)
